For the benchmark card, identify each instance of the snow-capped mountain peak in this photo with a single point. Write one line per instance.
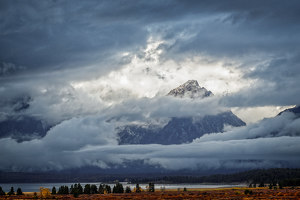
(190, 89)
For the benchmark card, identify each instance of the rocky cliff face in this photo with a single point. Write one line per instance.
(180, 130)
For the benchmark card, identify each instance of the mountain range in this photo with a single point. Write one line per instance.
(23, 128)
(177, 130)
(180, 129)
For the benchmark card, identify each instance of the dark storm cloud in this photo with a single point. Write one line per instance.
(62, 34)
(262, 36)
(279, 82)
(56, 36)
(227, 28)
(65, 41)
(51, 35)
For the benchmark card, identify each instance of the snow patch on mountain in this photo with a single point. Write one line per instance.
(190, 89)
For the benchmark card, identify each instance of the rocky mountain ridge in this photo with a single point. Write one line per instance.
(190, 89)
(180, 129)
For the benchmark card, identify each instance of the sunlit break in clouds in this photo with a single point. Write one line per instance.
(91, 80)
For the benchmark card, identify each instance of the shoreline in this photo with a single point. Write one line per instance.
(35, 187)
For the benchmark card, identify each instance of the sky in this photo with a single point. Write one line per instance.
(80, 63)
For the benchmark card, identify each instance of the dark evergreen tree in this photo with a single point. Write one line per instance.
(270, 186)
(280, 185)
(261, 184)
(53, 190)
(80, 189)
(1, 192)
(19, 191)
(101, 189)
(75, 194)
(72, 189)
(60, 190)
(151, 187)
(66, 190)
(118, 188)
(12, 191)
(76, 190)
(94, 189)
(63, 190)
(137, 188)
(87, 189)
(108, 189)
(127, 189)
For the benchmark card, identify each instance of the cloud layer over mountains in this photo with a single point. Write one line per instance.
(92, 141)
(85, 67)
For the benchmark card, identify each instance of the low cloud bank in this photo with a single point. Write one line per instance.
(286, 124)
(91, 141)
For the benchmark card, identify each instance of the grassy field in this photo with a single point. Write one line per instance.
(217, 193)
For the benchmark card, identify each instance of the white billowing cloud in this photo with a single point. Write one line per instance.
(254, 114)
(285, 124)
(112, 57)
(92, 141)
(148, 75)
(98, 129)
(78, 132)
(145, 76)
(50, 102)
(165, 107)
(55, 104)
(57, 150)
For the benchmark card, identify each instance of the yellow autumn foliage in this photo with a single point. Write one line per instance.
(44, 192)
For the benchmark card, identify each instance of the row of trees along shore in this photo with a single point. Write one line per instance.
(78, 189)
(11, 192)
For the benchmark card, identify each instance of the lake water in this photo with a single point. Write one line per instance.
(34, 187)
